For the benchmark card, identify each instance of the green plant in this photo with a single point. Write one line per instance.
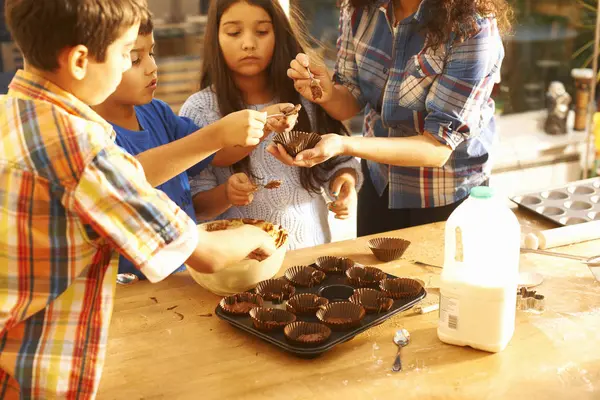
(584, 55)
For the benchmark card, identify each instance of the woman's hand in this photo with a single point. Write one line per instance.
(330, 145)
(299, 73)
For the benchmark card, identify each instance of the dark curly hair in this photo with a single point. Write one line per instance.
(444, 19)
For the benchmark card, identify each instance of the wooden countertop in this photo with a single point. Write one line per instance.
(165, 343)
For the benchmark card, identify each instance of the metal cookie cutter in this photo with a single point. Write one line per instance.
(530, 300)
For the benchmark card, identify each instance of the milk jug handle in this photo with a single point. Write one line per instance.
(455, 245)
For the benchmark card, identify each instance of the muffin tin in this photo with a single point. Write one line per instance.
(336, 287)
(569, 204)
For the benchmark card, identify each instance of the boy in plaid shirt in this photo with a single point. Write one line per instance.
(69, 197)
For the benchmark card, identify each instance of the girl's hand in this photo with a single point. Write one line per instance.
(279, 124)
(330, 145)
(344, 187)
(299, 73)
(243, 128)
(240, 190)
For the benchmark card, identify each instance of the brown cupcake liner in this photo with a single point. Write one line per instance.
(269, 319)
(387, 248)
(362, 276)
(306, 304)
(306, 334)
(400, 288)
(240, 303)
(295, 142)
(334, 265)
(341, 315)
(304, 275)
(275, 290)
(373, 301)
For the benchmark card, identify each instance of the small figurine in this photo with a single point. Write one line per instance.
(558, 101)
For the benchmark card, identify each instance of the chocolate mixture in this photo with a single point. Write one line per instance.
(311, 337)
(292, 110)
(273, 184)
(339, 320)
(241, 307)
(315, 90)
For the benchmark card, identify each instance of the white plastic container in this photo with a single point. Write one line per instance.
(480, 275)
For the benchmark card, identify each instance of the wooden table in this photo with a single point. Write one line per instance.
(165, 343)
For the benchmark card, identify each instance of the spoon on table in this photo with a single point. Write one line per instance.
(593, 262)
(401, 338)
(126, 279)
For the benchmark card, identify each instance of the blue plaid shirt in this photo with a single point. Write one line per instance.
(407, 90)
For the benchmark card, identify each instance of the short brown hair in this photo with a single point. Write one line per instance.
(147, 26)
(42, 28)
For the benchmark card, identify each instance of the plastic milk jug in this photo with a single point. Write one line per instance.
(478, 290)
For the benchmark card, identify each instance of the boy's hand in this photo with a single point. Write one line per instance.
(219, 249)
(299, 73)
(243, 128)
(343, 187)
(279, 124)
(240, 190)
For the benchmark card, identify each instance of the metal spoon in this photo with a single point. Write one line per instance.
(593, 262)
(126, 279)
(401, 338)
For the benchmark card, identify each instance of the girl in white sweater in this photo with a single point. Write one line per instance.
(248, 47)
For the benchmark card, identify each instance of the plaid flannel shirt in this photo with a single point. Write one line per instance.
(408, 90)
(68, 197)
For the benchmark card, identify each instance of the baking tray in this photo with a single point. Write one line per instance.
(570, 204)
(277, 338)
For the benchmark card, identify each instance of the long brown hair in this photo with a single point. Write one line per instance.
(290, 39)
(457, 19)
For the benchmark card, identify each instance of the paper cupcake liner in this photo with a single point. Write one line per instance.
(335, 265)
(240, 303)
(388, 249)
(361, 276)
(269, 319)
(295, 142)
(306, 304)
(305, 276)
(373, 301)
(275, 290)
(306, 334)
(341, 315)
(400, 288)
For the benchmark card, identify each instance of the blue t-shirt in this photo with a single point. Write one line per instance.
(161, 126)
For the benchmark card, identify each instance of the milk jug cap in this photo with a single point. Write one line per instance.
(482, 192)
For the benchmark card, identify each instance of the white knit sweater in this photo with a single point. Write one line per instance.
(302, 213)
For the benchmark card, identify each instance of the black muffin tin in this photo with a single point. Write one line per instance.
(570, 204)
(277, 338)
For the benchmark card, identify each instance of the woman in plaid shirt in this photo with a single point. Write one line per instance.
(423, 71)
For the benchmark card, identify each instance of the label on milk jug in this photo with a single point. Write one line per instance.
(449, 312)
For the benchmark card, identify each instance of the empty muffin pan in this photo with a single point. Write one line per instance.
(570, 204)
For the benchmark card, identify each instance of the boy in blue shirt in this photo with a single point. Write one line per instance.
(170, 147)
